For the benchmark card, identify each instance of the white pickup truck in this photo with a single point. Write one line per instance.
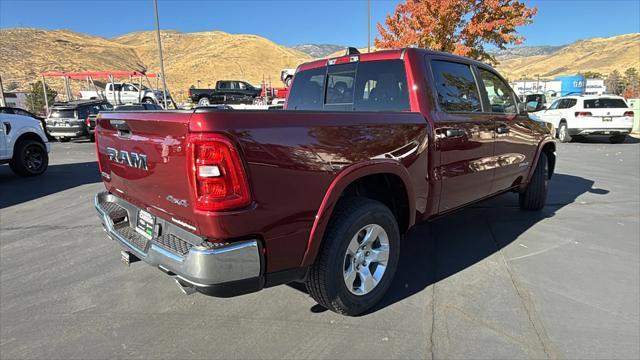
(126, 93)
(23, 145)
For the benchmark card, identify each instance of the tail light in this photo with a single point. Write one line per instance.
(582, 113)
(218, 178)
(190, 93)
(628, 113)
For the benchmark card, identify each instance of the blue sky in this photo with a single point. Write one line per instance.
(304, 21)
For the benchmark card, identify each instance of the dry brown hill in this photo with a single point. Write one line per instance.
(207, 56)
(601, 55)
(211, 56)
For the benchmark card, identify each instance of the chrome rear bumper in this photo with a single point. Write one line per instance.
(216, 269)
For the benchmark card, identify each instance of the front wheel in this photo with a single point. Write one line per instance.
(30, 158)
(148, 101)
(358, 257)
(535, 196)
(617, 139)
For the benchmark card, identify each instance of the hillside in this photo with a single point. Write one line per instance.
(205, 56)
(211, 56)
(319, 50)
(601, 55)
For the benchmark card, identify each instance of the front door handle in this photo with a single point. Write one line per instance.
(452, 133)
(502, 129)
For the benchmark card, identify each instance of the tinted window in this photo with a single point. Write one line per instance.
(456, 87)
(554, 105)
(129, 87)
(381, 86)
(567, 103)
(499, 94)
(340, 83)
(605, 103)
(306, 91)
(224, 85)
(117, 86)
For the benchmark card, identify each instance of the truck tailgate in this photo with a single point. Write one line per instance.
(143, 158)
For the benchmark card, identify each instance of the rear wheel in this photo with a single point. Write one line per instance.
(617, 139)
(204, 101)
(148, 100)
(563, 133)
(30, 158)
(358, 258)
(535, 196)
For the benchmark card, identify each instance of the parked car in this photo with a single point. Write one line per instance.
(23, 144)
(589, 115)
(229, 202)
(225, 92)
(23, 112)
(127, 93)
(67, 120)
(90, 121)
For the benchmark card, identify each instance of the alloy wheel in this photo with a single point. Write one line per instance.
(365, 260)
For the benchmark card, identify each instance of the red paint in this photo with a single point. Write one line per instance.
(297, 163)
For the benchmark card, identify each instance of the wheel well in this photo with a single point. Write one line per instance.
(550, 150)
(389, 189)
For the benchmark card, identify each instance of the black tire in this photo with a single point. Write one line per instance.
(563, 133)
(30, 158)
(325, 281)
(63, 139)
(204, 101)
(617, 139)
(535, 195)
(92, 137)
(148, 100)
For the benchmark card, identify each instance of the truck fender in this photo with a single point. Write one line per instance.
(347, 176)
(546, 140)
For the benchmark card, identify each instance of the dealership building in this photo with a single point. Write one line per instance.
(560, 86)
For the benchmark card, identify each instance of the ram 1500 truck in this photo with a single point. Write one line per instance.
(225, 92)
(230, 202)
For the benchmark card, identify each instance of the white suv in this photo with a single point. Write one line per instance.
(589, 115)
(23, 144)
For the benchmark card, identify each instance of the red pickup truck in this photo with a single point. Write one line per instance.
(229, 202)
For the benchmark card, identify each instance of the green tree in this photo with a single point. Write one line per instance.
(631, 83)
(614, 83)
(592, 75)
(35, 97)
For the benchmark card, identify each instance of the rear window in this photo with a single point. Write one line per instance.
(456, 87)
(365, 86)
(63, 113)
(605, 103)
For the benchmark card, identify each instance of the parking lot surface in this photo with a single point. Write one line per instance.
(490, 281)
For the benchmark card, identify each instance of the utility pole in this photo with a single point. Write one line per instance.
(164, 81)
(46, 100)
(368, 26)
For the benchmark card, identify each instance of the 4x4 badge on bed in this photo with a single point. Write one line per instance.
(131, 159)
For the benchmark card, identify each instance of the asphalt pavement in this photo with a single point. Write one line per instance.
(490, 281)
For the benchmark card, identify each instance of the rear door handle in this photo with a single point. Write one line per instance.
(503, 129)
(452, 133)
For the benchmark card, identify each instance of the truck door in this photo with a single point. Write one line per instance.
(129, 94)
(514, 150)
(4, 152)
(464, 135)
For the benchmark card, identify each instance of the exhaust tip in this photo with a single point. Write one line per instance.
(184, 287)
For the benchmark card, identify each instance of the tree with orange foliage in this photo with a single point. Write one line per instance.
(461, 27)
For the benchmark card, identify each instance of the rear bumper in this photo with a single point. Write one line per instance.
(70, 132)
(599, 131)
(215, 269)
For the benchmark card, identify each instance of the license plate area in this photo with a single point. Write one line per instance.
(145, 224)
(607, 118)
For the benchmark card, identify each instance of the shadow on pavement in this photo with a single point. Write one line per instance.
(15, 190)
(603, 140)
(440, 248)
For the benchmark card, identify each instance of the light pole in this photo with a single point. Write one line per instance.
(368, 26)
(164, 81)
